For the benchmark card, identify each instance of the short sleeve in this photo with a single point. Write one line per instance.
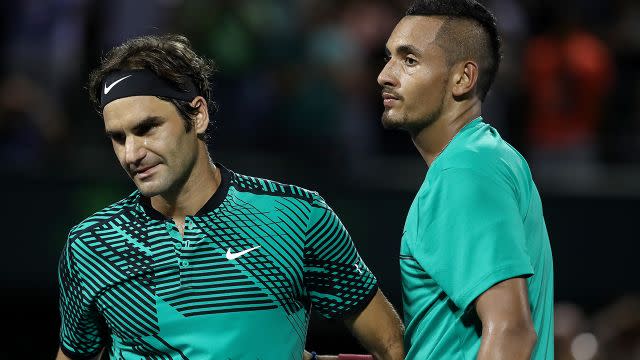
(337, 279)
(470, 234)
(80, 335)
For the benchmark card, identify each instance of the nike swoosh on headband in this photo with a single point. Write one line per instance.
(108, 88)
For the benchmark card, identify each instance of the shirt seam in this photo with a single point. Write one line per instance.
(493, 273)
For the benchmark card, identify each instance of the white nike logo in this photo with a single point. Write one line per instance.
(108, 88)
(233, 256)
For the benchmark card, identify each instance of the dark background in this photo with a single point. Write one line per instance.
(299, 103)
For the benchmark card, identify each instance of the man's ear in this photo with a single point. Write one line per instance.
(201, 120)
(465, 79)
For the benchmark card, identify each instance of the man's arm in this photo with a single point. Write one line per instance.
(61, 355)
(507, 329)
(307, 356)
(379, 329)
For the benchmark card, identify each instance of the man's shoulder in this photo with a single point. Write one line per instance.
(261, 186)
(485, 152)
(104, 215)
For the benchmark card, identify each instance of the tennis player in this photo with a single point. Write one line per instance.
(475, 258)
(201, 262)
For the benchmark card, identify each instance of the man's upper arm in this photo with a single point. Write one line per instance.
(61, 355)
(506, 302)
(378, 328)
(507, 328)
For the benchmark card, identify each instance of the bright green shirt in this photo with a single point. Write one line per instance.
(240, 283)
(476, 220)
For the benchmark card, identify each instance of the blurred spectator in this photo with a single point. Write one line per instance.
(368, 24)
(569, 321)
(502, 105)
(123, 19)
(612, 333)
(617, 328)
(334, 110)
(45, 41)
(255, 45)
(568, 77)
(31, 126)
(622, 142)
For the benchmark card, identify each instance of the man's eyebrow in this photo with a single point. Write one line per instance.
(144, 123)
(147, 122)
(408, 49)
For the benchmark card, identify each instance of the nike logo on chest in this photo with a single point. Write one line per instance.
(233, 256)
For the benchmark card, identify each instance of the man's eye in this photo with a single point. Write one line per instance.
(143, 130)
(117, 138)
(410, 61)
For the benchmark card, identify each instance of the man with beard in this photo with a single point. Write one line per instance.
(475, 257)
(201, 262)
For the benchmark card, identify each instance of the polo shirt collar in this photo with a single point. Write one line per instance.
(211, 205)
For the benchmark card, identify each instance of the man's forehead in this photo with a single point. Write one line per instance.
(134, 108)
(415, 30)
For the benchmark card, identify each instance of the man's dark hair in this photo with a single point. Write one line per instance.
(170, 57)
(479, 41)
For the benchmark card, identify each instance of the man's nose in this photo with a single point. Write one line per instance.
(133, 149)
(386, 76)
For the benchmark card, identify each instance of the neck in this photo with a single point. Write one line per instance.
(433, 139)
(203, 181)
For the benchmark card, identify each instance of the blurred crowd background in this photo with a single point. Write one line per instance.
(299, 103)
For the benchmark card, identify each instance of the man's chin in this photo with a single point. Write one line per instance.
(148, 190)
(390, 123)
(148, 193)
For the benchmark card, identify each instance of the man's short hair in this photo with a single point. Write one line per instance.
(469, 32)
(171, 58)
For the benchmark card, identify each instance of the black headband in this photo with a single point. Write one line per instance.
(125, 83)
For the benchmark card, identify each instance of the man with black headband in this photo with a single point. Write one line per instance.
(201, 262)
(475, 258)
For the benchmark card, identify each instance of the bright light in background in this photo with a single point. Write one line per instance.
(584, 346)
